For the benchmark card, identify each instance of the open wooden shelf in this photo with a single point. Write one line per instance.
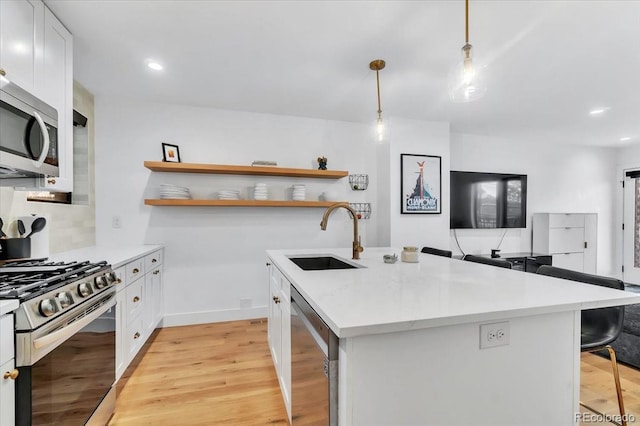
(239, 203)
(223, 169)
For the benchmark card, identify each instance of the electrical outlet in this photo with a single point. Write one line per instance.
(495, 334)
(116, 222)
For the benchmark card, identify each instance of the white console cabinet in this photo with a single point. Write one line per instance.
(279, 330)
(571, 239)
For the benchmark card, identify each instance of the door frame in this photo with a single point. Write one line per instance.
(619, 217)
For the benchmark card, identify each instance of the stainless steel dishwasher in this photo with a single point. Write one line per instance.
(314, 366)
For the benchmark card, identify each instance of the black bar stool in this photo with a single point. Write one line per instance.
(437, 252)
(500, 263)
(599, 327)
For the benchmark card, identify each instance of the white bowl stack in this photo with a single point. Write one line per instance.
(260, 191)
(174, 192)
(299, 192)
(228, 194)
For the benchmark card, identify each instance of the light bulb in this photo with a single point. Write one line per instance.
(380, 129)
(465, 79)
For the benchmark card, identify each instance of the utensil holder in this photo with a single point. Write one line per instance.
(15, 248)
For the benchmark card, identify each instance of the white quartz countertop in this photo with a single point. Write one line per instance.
(435, 292)
(116, 256)
(7, 306)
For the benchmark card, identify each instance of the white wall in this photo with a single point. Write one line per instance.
(424, 138)
(561, 178)
(215, 260)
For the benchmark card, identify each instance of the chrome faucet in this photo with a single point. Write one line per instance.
(357, 248)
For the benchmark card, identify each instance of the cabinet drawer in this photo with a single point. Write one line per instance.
(566, 220)
(152, 260)
(135, 299)
(573, 261)
(6, 331)
(135, 270)
(135, 337)
(566, 240)
(7, 395)
(121, 275)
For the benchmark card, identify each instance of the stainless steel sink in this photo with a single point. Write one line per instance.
(321, 263)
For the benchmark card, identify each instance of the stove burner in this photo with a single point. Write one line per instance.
(26, 279)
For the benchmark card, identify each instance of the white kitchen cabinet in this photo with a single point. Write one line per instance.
(279, 330)
(7, 371)
(57, 91)
(154, 294)
(21, 40)
(36, 53)
(121, 302)
(141, 304)
(571, 239)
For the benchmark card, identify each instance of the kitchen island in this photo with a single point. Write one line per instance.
(409, 339)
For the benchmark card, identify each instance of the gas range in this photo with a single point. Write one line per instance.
(47, 290)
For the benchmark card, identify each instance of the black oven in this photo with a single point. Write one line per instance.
(67, 367)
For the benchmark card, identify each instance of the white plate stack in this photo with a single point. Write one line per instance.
(228, 194)
(260, 191)
(299, 192)
(174, 192)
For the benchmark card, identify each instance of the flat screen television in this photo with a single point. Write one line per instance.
(488, 200)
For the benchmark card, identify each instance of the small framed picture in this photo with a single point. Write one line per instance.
(170, 153)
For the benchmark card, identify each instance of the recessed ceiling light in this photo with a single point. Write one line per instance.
(154, 66)
(598, 111)
(625, 138)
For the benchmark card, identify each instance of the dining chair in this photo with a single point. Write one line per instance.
(500, 263)
(599, 327)
(437, 252)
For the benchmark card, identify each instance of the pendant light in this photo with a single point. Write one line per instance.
(465, 81)
(376, 66)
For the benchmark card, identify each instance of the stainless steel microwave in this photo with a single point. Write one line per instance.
(28, 134)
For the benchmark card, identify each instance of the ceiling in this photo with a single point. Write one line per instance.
(546, 63)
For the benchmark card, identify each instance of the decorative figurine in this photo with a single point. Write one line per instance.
(322, 163)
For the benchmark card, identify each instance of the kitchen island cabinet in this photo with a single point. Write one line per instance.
(410, 338)
(279, 330)
(7, 363)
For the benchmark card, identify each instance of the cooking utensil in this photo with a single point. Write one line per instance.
(2, 234)
(37, 226)
(21, 229)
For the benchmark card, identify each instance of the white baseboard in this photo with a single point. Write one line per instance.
(203, 317)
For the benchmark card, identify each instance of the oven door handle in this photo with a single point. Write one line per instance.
(73, 328)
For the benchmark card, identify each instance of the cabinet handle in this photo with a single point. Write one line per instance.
(154, 260)
(268, 264)
(135, 336)
(2, 72)
(276, 299)
(13, 374)
(136, 270)
(156, 272)
(136, 299)
(51, 181)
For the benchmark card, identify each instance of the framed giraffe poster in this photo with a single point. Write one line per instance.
(420, 184)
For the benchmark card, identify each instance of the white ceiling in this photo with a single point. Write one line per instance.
(547, 62)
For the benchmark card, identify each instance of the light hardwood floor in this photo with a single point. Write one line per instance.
(222, 374)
